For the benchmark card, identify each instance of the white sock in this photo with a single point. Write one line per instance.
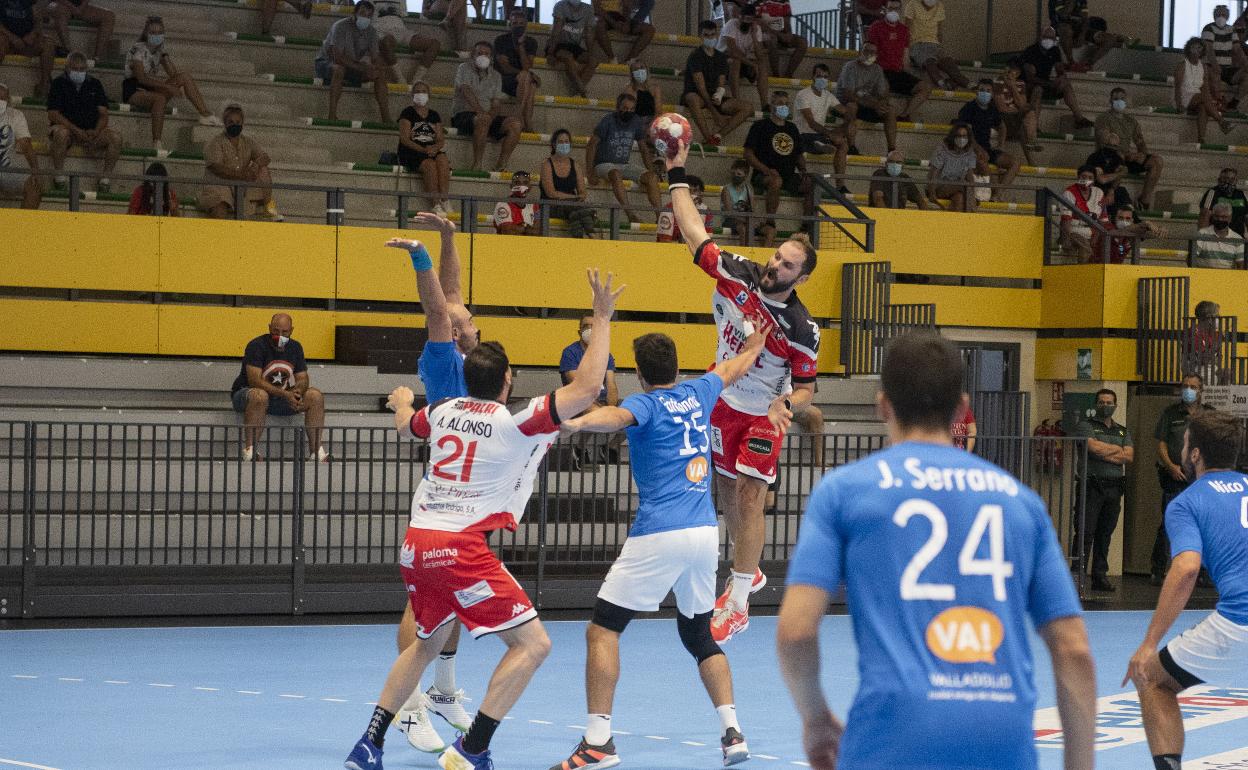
(444, 674)
(597, 729)
(741, 582)
(727, 718)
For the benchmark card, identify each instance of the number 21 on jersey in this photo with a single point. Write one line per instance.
(989, 520)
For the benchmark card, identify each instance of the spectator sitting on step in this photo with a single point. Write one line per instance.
(669, 228)
(22, 34)
(61, 11)
(646, 90)
(1110, 169)
(892, 188)
(231, 157)
(562, 182)
(863, 89)
(617, 16)
(1045, 76)
(869, 12)
(713, 111)
(1082, 36)
(926, 19)
(1218, 245)
(609, 152)
(452, 15)
(742, 41)
(982, 116)
(274, 380)
(15, 145)
(953, 163)
(737, 197)
(78, 115)
(892, 41)
(477, 109)
(811, 106)
(1022, 120)
(1227, 191)
(144, 88)
(571, 357)
(1198, 90)
(351, 55)
(516, 216)
(143, 198)
(1076, 235)
(514, 51)
(392, 33)
(422, 146)
(569, 43)
(773, 148)
(268, 12)
(776, 17)
(1120, 130)
(1224, 50)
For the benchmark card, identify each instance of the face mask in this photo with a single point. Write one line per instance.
(1221, 224)
(983, 97)
(519, 190)
(420, 99)
(1047, 43)
(1190, 395)
(738, 178)
(893, 169)
(640, 75)
(155, 41)
(892, 17)
(518, 30)
(624, 115)
(960, 141)
(1085, 183)
(930, 3)
(1124, 223)
(482, 62)
(1119, 104)
(362, 22)
(279, 340)
(869, 61)
(563, 148)
(782, 111)
(821, 84)
(1221, 20)
(233, 131)
(77, 77)
(1105, 411)
(709, 42)
(585, 334)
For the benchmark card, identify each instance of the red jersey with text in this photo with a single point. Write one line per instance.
(482, 462)
(792, 350)
(669, 230)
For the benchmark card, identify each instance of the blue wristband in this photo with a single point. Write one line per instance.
(421, 261)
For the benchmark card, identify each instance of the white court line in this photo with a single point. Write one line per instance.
(208, 689)
(335, 700)
(657, 738)
(692, 743)
(763, 756)
(248, 692)
(115, 681)
(296, 697)
(160, 684)
(16, 763)
(68, 679)
(540, 722)
(24, 676)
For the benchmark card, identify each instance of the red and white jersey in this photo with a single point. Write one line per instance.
(514, 213)
(482, 462)
(669, 230)
(792, 351)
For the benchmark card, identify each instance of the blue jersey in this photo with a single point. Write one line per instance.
(1211, 518)
(669, 448)
(943, 556)
(441, 368)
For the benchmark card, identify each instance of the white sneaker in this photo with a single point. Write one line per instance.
(209, 120)
(249, 454)
(734, 747)
(419, 730)
(419, 73)
(439, 208)
(450, 707)
(322, 454)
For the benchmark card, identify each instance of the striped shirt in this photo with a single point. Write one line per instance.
(1213, 250)
(1221, 40)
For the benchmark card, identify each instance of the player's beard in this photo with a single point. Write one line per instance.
(772, 285)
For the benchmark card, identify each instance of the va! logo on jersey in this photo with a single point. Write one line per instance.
(696, 470)
(965, 635)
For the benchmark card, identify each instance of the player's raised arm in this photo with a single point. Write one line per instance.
(576, 396)
(688, 218)
(448, 257)
(1074, 675)
(739, 365)
(428, 288)
(608, 419)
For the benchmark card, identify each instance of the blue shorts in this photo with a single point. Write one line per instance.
(441, 369)
(278, 407)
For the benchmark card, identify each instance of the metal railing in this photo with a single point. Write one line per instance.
(1161, 310)
(1210, 349)
(824, 29)
(166, 519)
(865, 290)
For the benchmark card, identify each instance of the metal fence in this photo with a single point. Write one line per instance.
(100, 519)
(1161, 310)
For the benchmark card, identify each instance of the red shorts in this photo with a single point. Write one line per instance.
(744, 443)
(455, 574)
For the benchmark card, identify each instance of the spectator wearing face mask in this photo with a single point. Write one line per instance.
(1110, 451)
(1170, 430)
(1127, 233)
(1197, 89)
(17, 154)
(773, 148)
(646, 90)
(569, 43)
(351, 55)
(1217, 245)
(1227, 191)
(982, 115)
(892, 188)
(516, 216)
(713, 111)
(562, 182)
(422, 146)
(609, 154)
(1111, 169)
(668, 229)
(1076, 235)
(232, 157)
(514, 51)
(1119, 129)
(742, 41)
(953, 162)
(1085, 39)
(892, 41)
(926, 19)
(1021, 120)
(78, 115)
(737, 198)
(1224, 50)
(144, 86)
(862, 88)
(1045, 76)
(477, 109)
(811, 107)
(143, 197)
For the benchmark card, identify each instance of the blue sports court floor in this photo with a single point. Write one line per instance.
(298, 697)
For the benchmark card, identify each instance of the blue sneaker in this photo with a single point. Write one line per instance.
(455, 758)
(365, 756)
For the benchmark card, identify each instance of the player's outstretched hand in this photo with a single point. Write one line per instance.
(821, 739)
(779, 414)
(604, 298)
(434, 221)
(758, 337)
(400, 398)
(569, 427)
(403, 243)
(679, 159)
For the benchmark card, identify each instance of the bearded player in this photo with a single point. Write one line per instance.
(750, 419)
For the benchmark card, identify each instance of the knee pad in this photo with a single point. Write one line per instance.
(695, 634)
(612, 617)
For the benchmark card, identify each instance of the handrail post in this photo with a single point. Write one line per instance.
(240, 195)
(402, 213)
(298, 555)
(75, 191)
(29, 553)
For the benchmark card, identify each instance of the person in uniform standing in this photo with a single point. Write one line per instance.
(1171, 426)
(1110, 451)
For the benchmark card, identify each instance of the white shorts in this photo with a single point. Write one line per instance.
(682, 561)
(392, 26)
(1215, 650)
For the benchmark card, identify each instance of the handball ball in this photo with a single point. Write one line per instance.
(669, 131)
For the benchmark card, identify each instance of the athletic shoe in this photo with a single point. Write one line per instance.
(419, 730)
(450, 707)
(760, 579)
(586, 755)
(733, 745)
(728, 621)
(365, 756)
(455, 758)
(209, 120)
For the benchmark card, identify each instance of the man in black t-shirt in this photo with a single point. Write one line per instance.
(20, 34)
(713, 110)
(1226, 191)
(274, 380)
(1045, 76)
(78, 115)
(982, 116)
(773, 148)
(1110, 169)
(513, 58)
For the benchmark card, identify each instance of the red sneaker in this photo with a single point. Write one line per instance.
(760, 580)
(728, 621)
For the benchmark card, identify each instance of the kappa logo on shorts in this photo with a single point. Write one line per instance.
(760, 446)
(474, 594)
(519, 608)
